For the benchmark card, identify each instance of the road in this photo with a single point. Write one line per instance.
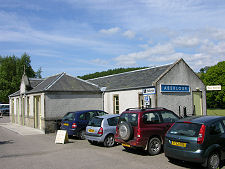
(40, 152)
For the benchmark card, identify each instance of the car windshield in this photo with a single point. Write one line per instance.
(132, 118)
(95, 122)
(69, 116)
(185, 129)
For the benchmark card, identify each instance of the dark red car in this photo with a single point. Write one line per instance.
(144, 128)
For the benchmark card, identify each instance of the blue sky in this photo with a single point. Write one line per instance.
(85, 36)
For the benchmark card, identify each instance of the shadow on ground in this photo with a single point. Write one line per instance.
(6, 142)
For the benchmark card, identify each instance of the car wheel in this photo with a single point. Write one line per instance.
(154, 146)
(109, 141)
(82, 134)
(213, 161)
(125, 130)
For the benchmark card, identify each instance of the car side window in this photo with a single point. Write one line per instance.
(89, 115)
(113, 121)
(216, 128)
(151, 118)
(169, 117)
(101, 113)
(82, 116)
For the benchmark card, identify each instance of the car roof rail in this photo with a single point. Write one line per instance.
(144, 108)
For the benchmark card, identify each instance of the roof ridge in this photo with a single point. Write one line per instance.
(129, 72)
(86, 81)
(53, 82)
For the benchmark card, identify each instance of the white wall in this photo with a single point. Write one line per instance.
(127, 99)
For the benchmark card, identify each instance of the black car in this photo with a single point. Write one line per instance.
(197, 139)
(4, 109)
(76, 122)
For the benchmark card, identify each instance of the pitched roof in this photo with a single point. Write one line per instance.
(60, 83)
(131, 80)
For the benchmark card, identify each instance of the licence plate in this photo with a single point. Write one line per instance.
(66, 124)
(126, 145)
(91, 130)
(180, 144)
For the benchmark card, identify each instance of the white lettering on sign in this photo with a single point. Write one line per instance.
(216, 87)
(61, 137)
(149, 91)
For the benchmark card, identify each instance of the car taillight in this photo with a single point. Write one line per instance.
(74, 125)
(201, 134)
(138, 133)
(100, 131)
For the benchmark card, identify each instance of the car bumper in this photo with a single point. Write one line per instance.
(184, 155)
(132, 143)
(71, 132)
(95, 138)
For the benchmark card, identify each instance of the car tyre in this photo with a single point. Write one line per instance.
(154, 146)
(109, 141)
(213, 161)
(82, 134)
(125, 130)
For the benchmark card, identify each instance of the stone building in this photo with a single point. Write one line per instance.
(41, 102)
(174, 86)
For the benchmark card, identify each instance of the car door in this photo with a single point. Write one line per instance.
(151, 125)
(111, 124)
(217, 132)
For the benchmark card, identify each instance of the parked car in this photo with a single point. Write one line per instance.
(197, 139)
(144, 128)
(4, 109)
(101, 129)
(76, 122)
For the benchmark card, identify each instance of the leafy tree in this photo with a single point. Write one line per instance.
(11, 71)
(215, 75)
(108, 72)
(38, 73)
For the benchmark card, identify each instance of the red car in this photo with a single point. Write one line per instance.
(144, 128)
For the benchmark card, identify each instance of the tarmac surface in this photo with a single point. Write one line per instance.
(26, 148)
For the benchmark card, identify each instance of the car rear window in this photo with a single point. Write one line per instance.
(132, 118)
(69, 116)
(95, 122)
(185, 129)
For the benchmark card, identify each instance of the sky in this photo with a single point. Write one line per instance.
(86, 36)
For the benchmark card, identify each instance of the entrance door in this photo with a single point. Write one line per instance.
(197, 103)
(37, 112)
(12, 110)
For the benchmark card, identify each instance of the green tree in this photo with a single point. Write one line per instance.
(11, 71)
(108, 72)
(215, 75)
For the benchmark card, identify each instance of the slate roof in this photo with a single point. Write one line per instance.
(60, 83)
(131, 80)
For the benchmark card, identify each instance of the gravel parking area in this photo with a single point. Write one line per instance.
(40, 151)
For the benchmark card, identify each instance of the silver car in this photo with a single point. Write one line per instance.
(101, 129)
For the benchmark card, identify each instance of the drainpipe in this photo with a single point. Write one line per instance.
(103, 89)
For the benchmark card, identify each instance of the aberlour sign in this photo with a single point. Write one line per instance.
(175, 88)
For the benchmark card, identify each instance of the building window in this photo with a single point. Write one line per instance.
(116, 104)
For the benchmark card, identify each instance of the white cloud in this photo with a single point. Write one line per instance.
(129, 34)
(186, 42)
(110, 31)
(100, 62)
